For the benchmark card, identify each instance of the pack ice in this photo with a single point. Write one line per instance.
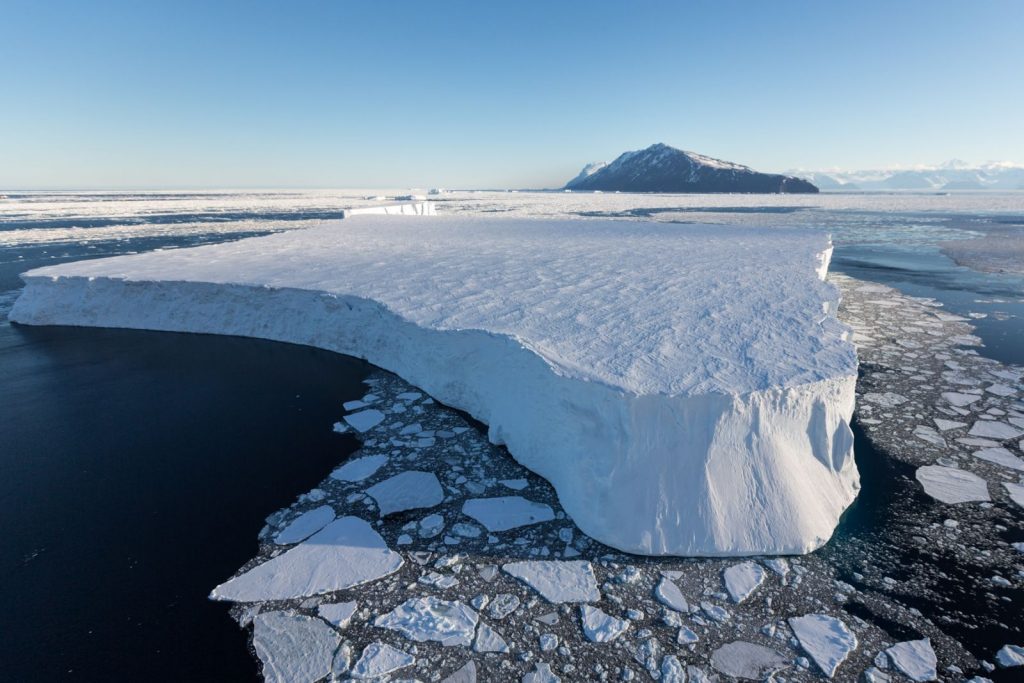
(685, 388)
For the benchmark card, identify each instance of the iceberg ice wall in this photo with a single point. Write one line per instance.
(686, 389)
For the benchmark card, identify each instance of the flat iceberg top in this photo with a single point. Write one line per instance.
(648, 308)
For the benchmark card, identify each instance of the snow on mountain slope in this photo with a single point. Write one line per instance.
(951, 175)
(686, 390)
(660, 168)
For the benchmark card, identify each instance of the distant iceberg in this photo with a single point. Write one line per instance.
(686, 389)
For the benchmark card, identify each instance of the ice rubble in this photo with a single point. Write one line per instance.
(674, 384)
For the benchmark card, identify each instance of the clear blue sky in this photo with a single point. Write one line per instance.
(340, 93)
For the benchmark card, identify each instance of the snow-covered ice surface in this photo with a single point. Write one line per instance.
(826, 640)
(707, 357)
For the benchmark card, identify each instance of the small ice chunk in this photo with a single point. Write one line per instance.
(993, 429)
(960, 400)
(1000, 456)
(779, 565)
(686, 636)
(599, 626)
(431, 526)
(465, 674)
(668, 594)
(409, 396)
(1016, 492)
(915, 658)
(886, 400)
(430, 618)
(1001, 390)
(466, 530)
(929, 434)
(489, 640)
(548, 642)
(293, 647)
(558, 581)
(1010, 656)
(746, 660)
(365, 420)
(305, 525)
(541, 673)
(414, 428)
(339, 614)
(742, 579)
(503, 605)
(360, 468)
(353, 405)
(825, 639)
(671, 670)
(345, 553)
(407, 491)
(515, 484)
(507, 512)
(951, 485)
(379, 659)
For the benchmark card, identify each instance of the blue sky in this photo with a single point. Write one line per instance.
(491, 94)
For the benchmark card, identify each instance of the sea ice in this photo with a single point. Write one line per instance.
(960, 400)
(360, 468)
(1010, 656)
(293, 648)
(345, 553)
(951, 485)
(599, 626)
(742, 579)
(489, 640)
(338, 614)
(668, 594)
(515, 484)
(1016, 492)
(429, 618)
(508, 512)
(365, 420)
(709, 358)
(1000, 456)
(992, 429)
(825, 639)
(746, 660)
(558, 581)
(465, 674)
(380, 659)
(305, 525)
(541, 673)
(915, 658)
(407, 491)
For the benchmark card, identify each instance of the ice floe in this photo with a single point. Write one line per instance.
(915, 659)
(365, 420)
(993, 429)
(599, 626)
(429, 618)
(558, 581)
(742, 579)
(1000, 456)
(305, 525)
(1016, 492)
(825, 639)
(293, 648)
(338, 614)
(406, 491)
(360, 468)
(1010, 656)
(345, 553)
(379, 660)
(668, 594)
(951, 485)
(746, 660)
(489, 640)
(507, 512)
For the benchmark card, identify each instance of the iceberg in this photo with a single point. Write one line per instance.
(686, 389)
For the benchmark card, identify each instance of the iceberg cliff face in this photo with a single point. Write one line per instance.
(686, 389)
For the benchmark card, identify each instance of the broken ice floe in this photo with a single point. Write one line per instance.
(428, 618)
(952, 485)
(914, 658)
(293, 647)
(345, 553)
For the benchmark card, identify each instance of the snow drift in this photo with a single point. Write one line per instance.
(686, 389)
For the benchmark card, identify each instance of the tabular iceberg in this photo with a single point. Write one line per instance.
(685, 388)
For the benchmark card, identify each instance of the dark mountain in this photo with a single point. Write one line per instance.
(661, 168)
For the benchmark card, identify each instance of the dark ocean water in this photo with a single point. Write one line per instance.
(137, 467)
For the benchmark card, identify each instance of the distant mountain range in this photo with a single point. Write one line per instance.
(952, 175)
(660, 168)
